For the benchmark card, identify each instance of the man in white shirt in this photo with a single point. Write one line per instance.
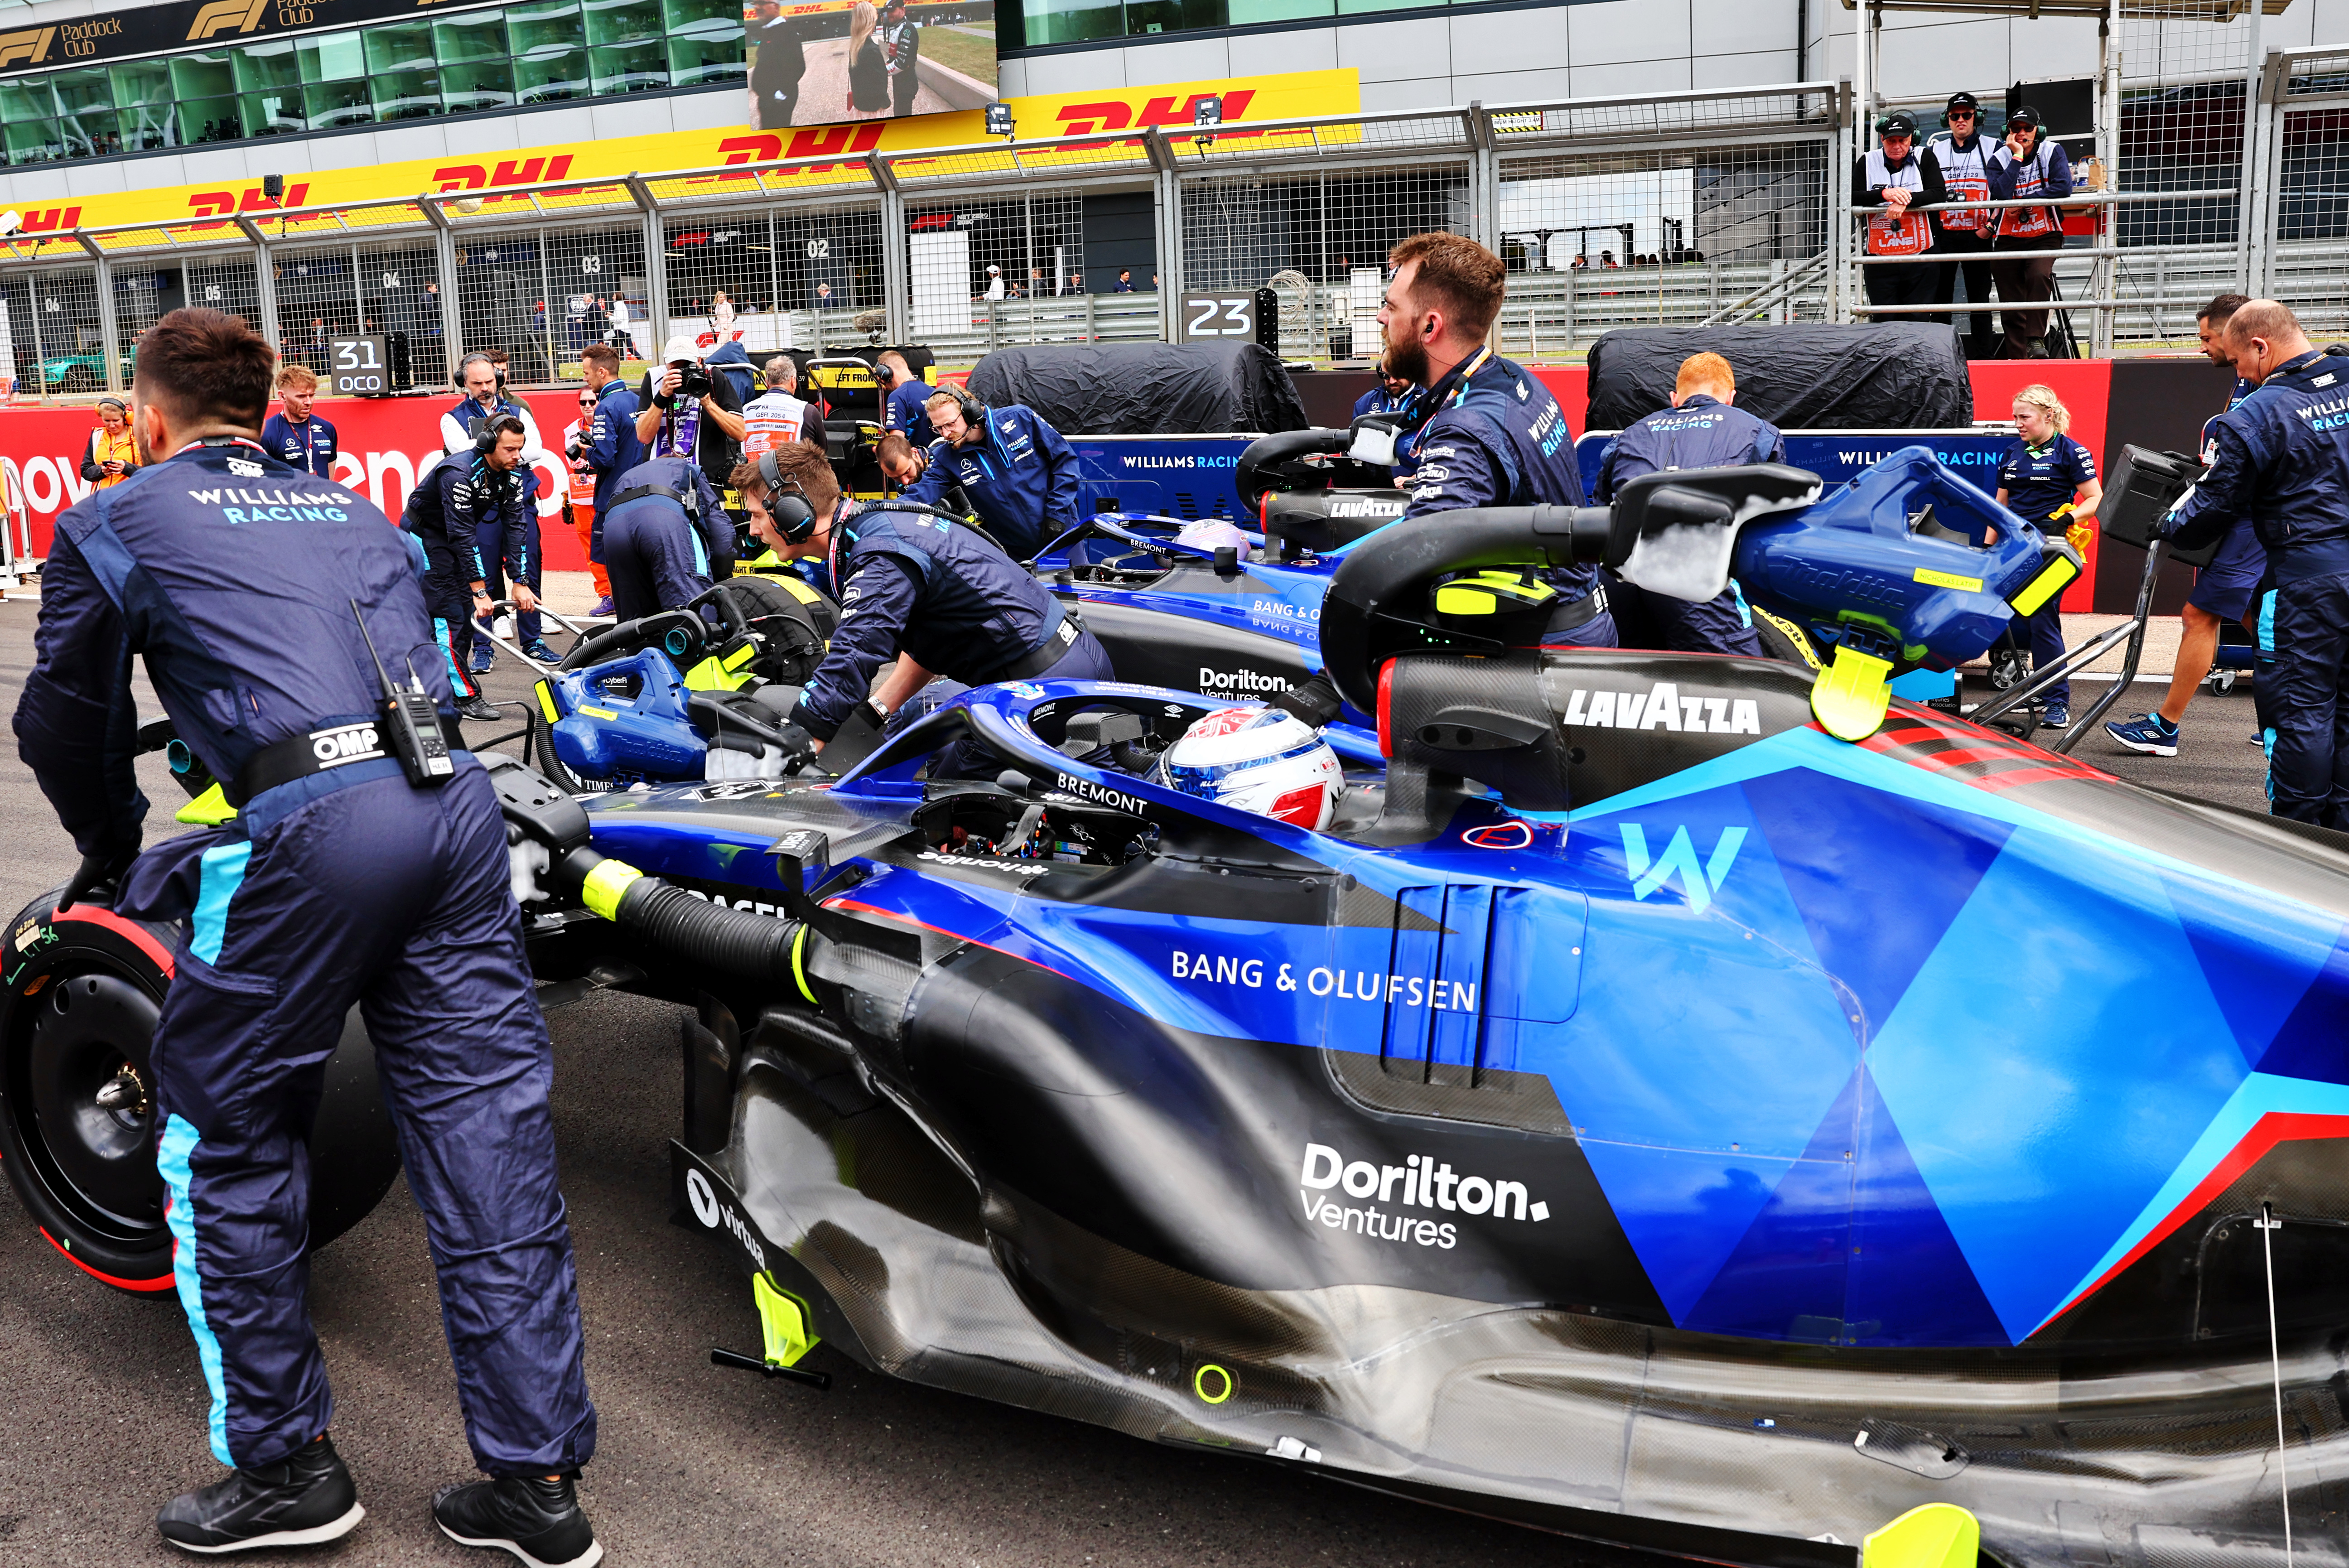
(994, 282)
(775, 416)
(618, 317)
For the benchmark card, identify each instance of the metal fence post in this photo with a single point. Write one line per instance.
(2275, 82)
(896, 270)
(1838, 224)
(1483, 179)
(444, 247)
(1167, 209)
(2250, 253)
(265, 275)
(110, 335)
(656, 259)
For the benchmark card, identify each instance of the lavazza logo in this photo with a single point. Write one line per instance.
(1419, 1182)
(1214, 681)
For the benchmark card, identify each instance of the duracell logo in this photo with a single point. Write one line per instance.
(226, 17)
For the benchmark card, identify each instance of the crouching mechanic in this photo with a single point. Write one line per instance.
(665, 538)
(2282, 459)
(338, 882)
(482, 492)
(940, 599)
(1018, 475)
(1700, 430)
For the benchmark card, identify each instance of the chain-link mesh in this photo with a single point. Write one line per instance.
(318, 298)
(977, 266)
(65, 316)
(229, 283)
(19, 332)
(542, 295)
(400, 298)
(2183, 95)
(2310, 192)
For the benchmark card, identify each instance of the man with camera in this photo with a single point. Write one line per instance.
(684, 411)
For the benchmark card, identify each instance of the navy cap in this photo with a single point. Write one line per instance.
(1964, 100)
(2026, 117)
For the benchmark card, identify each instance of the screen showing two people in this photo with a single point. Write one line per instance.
(826, 62)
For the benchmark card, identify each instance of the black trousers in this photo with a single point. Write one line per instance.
(2030, 281)
(1907, 283)
(1965, 242)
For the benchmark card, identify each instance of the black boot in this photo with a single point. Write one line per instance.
(303, 1500)
(477, 708)
(536, 1519)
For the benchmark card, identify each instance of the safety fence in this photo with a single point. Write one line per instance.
(1677, 209)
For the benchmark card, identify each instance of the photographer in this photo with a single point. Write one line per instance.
(686, 411)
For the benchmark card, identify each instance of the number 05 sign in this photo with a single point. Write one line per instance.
(1219, 316)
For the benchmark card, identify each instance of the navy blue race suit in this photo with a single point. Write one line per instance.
(908, 411)
(310, 446)
(459, 502)
(1022, 479)
(2282, 461)
(613, 449)
(658, 557)
(2038, 482)
(2227, 586)
(235, 575)
(1498, 438)
(1703, 432)
(909, 582)
(459, 426)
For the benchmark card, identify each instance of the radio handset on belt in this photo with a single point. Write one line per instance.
(412, 720)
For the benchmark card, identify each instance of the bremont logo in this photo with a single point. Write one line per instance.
(28, 47)
(226, 17)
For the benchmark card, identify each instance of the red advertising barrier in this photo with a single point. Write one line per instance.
(385, 443)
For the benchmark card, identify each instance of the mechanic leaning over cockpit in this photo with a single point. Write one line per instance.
(358, 868)
(1489, 432)
(935, 594)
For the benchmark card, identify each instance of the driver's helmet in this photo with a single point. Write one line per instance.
(1263, 760)
(1213, 534)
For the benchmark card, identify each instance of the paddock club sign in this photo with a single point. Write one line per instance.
(154, 29)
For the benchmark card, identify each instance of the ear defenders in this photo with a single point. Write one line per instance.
(974, 413)
(786, 502)
(486, 433)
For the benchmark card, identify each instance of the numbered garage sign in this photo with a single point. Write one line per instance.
(357, 367)
(1232, 314)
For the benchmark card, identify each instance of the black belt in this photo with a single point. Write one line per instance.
(1050, 651)
(322, 750)
(1581, 612)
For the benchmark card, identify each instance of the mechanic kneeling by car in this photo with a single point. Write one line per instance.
(938, 596)
(380, 878)
(666, 537)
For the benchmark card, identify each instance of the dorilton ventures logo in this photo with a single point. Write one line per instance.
(226, 17)
(28, 47)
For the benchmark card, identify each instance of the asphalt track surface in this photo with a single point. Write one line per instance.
(102, 1406)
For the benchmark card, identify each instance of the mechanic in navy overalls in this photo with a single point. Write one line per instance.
(1018, 475)
(300, 436)
(244, 582)
(909, 394)
(485, 398)
(2229, 589)
(608, 446)
(1700, 430)
(938, 596)
(2050, 481)
(666, 537)
(2284, 461)
(482, 492)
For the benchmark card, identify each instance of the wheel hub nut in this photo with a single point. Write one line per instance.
(125, 1092)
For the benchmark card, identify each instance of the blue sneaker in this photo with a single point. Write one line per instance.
(603, 606)
(482, 659)
(2149, 733)
(2055, 716)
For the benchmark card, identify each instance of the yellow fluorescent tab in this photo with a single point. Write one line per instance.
(604, 886)
(1933, 579)
(546, 701)
(2051, 581)
(1455, 599)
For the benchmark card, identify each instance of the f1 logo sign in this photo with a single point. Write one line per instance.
(1701, 882)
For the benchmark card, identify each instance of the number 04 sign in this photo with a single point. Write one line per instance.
(1219, 315)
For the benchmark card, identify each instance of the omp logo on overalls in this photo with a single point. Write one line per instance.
(719, 1216)
(1213, 681)
(1421, 1181)
(344, 744)
(1663, 707)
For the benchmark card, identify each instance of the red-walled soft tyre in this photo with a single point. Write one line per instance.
(82, 994)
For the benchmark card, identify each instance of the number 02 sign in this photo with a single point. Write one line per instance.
(1219, 316)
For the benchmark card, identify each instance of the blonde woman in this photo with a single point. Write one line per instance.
(111, 456)
(868, 67)
(721, 316)
(2049, 481)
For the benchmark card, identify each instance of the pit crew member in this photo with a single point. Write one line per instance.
(2227, 589)
(334, 885)
(1703, 429)
(2282, 459)
(483, 491)
(666, 539)
(939, 597)
(1018, 475)
(610, 447)
(300, 436)
(579, 503)
(906, 395)
(2049, 481)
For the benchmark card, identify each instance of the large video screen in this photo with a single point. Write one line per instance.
(826, 62)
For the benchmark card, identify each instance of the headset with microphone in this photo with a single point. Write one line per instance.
(786, 503)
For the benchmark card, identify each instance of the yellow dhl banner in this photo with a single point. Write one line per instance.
(185, 208)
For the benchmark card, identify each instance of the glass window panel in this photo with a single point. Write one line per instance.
(333, 105)
(551, 76)
(544, 30)
(482, 84)
(406, 95)
(333, 57)
(1347, 6)
(86, 88)
(142, 97)
(480, 36)
(622, 22)
(34, 141)
(1075, 21)
(260, 66)
(636, 68)
(26, 99)
(399, 46)
(279, 112)
(203, 75)
(1243, 13)
(695, 61)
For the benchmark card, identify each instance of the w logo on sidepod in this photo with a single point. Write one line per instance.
(1701, 882)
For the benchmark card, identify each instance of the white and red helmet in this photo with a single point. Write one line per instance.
(1263, 760)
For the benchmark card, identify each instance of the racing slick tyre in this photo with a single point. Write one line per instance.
(543, 757)
(1783, 640)
(77, 1129)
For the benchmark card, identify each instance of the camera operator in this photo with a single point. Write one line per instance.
(334, 884)
(688, 411)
